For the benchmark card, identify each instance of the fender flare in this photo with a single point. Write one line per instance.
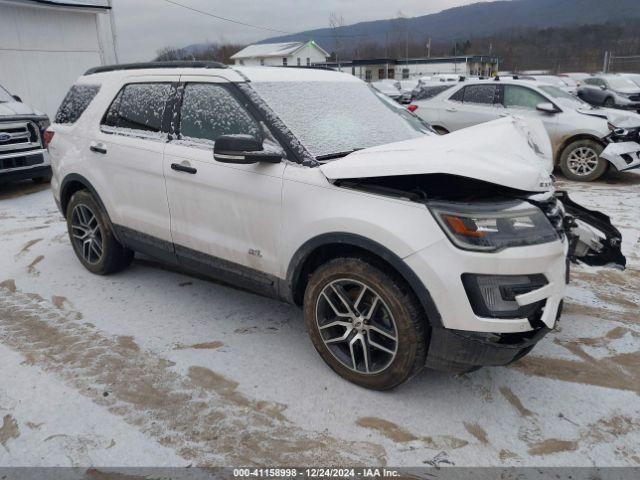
(303, 253)
(64, 198)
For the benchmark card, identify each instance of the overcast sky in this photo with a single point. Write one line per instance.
(144, 26)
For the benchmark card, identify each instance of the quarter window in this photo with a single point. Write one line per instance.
(139, 107)
(522, 97)
(75, 103)
(210, 111)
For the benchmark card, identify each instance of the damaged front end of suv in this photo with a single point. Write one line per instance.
(515, 234)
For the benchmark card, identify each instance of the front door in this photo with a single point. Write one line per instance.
(523, 101)
(223, 216)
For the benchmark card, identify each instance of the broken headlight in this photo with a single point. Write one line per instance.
(491, 227)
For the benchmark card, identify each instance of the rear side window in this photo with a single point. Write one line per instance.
(75, 103)
(138, 108)
(480, 94)
(210, 111)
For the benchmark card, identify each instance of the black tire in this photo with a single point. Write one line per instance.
(575, 147)
(411, 327)
(609, 102)
(441, 130)
(114, 257)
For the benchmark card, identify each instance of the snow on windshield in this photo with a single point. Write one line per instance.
(335, 117)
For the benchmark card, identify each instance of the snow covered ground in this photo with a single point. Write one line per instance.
(152, 367)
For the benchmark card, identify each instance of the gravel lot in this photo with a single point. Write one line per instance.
(152, 367)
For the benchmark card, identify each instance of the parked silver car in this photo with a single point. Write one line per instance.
(586, 141)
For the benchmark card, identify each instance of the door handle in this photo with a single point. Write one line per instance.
(183, 168)
(99, 148)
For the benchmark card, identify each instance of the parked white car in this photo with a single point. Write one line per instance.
(389, 89)
(404, 248)
(586, 141)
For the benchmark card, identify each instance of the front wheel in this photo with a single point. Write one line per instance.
(366, 324)
(92, 237)
(580, 161)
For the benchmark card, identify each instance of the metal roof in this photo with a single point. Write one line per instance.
(274, 50)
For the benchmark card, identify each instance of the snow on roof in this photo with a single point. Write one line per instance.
(280, 74)
(273, 50)
(74, 3)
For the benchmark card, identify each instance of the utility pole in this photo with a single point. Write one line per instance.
(429, 48)
(114, 35)
(607, 61)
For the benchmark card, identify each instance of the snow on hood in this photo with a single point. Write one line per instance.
(617, 118)
(511, 152)
(11, 109)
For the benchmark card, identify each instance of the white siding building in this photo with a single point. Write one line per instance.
(291, 54)
(45, 45)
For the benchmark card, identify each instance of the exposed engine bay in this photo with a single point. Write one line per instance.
(593, 240)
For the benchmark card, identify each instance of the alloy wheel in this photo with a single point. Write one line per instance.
(583, 161)
(86, 234)
(357, 326)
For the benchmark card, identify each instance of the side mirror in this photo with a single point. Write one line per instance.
(17, 98)
(546, 107)
(243, 150)
(603, 87)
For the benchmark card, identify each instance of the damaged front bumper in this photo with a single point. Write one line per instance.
(624, 155)
(456, 351)
(623, 149)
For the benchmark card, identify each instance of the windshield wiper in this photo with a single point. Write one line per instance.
(332, 156)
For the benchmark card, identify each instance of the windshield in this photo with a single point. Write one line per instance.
(620, 83)
(564, 98)
(5, 96)
(335, 118)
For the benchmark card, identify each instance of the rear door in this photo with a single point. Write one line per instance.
(471, 105)
(127, 157)
(223, 216)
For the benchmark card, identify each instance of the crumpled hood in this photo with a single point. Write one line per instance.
(11, 109)
(617, 118)
(512, 152)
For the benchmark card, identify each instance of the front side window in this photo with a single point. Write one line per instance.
(138, 108)
(516, 96)
(75, 103)
(210, 111)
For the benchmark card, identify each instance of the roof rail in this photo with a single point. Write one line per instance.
(150, 65)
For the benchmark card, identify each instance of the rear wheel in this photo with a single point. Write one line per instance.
(365, 324)
(609, 102)
(92, 236)
(580, 161)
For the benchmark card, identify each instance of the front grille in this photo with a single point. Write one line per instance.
(21, 162)
(635, 98)
(17, 137)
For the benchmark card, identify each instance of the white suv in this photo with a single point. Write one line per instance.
(406, 249)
